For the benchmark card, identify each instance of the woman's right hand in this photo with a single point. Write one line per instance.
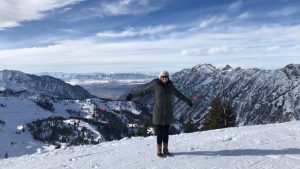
(129, 97)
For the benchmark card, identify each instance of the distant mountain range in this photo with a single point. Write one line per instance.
(101, 78)
(258, 96)
(104, 85)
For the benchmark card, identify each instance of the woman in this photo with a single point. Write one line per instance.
(163, 89)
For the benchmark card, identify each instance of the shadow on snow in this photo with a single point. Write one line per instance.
(241, 152)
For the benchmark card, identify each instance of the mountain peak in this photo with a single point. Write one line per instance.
(13, 74)
(227, 67)
(292, 69)
(292, 66)
(208, 68)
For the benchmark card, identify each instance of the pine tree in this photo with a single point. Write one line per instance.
(216, 119)
(23, 128)
(143, 128)
(2, 124)
(230, 116)
(45, 104)
(58, 146)
(189, 126)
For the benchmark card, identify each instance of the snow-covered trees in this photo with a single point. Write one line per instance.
(45, 104)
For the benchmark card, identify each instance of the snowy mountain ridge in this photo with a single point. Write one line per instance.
(258, 96)
(275, 146)
(17, 81)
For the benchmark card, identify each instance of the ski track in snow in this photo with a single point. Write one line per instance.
(275, 146)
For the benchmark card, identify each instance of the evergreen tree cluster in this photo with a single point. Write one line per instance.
(190, 126)
(74, 112)
(112, 127)
(215, 118)
(5, 155)
(119, 121)
(139, 125)
(144, 128)
(45, 104)
(54, 130)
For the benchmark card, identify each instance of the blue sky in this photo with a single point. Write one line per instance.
(147, 35)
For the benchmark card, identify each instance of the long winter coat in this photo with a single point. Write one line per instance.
(163, 109)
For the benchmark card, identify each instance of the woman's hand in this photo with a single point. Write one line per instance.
(190, 103)
(129, 97)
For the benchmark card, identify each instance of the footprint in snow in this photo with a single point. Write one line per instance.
(192, 149)
(72, 159)
(95, 166)
(227, 139)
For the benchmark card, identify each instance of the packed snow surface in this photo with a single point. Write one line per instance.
(274, 146)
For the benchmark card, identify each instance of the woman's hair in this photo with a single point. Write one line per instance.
(163, 73)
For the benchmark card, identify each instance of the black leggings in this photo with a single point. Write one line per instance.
(162, 132)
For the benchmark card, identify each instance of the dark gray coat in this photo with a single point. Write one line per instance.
(163, 109)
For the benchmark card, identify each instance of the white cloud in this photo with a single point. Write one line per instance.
(129, 7)
(287, 11)
(272, 48)
(13, 13)
(131, 31)
(83, 55)
(8, 24)
(117, 8)
(244, 15)
(212, 51)
(212, 21)
(235, 5)
(191, 52)
(217, 50)
(244, 46)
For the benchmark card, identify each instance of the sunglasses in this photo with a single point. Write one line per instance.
(164, 77)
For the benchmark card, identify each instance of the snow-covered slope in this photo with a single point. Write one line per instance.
(275, 146)
(22, 120)
(15, 113)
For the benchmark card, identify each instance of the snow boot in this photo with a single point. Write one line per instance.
(159, 153)
(166, 150)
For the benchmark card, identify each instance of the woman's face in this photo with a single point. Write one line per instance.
(164, 79)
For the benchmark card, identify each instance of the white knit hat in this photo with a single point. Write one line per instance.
(163, 73)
